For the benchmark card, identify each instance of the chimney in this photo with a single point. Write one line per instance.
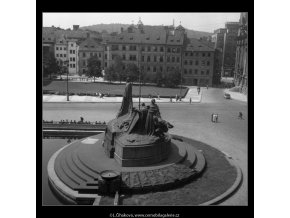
(76, 27)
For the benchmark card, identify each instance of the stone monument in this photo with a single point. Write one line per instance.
(137, 137)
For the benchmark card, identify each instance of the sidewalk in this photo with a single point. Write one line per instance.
(192, 93)
(237, 95)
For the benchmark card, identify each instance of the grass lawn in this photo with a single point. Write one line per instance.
(113, 89)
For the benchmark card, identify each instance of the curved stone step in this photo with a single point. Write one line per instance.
(83, 168)
(75, 169)
(70, 174)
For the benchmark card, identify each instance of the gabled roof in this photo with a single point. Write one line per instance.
(196, 45)
(148, 35)
(90, 45)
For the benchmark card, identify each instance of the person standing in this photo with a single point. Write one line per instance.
(176, 97)
(189, 100)
(240, 115)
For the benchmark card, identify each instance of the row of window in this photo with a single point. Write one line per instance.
(60, 48)
(72, 51)
(204, 54)
(160, 68)
(72, 66)
(61, 55)
(203, 63)
(196, 72)
(91, 54)
(146, 48)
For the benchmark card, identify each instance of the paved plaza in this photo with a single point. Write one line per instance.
(190, 120)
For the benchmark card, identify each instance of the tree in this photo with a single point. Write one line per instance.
(132, 71)
(158, 78)
(118, 66)
(94, 67)
(50, 66)
(111, 74)
(172, 78)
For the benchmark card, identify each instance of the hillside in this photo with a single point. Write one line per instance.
(116, 27)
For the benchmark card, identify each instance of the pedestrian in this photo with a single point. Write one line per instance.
(170, 99)
(158, 96)
(176, 97)
(240, 115)
(189, 100)
(212, 118)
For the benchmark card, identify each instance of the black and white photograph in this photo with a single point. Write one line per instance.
(144, 109)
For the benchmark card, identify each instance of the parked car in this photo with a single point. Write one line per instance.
(227, 96)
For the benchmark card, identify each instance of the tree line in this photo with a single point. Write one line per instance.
(117, 71)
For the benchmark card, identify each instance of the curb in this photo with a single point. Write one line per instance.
(231, 190)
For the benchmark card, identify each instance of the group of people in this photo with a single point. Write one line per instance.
(81, 121)
(214, 117)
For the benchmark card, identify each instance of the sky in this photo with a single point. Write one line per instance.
(207, 22)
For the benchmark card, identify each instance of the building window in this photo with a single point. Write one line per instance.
(177, 59)
(64, 48)
(142, 58)
(196, 54)
(64, 55)
(154, 69)
(60, 55)
(91, 54)
(148, 58)
(202, 72)
(208, 54)
(161, 59)
(132, 47)
(133, 58)
(70, 65)
(124, 48)
(173, 50)
(56, 48)
(115, 47)
(161, 69)
(186, 54)
(148, 68)
(173, 59)
(168, 50)
(196, 63)
(74, 51)
(155, 59)
(155, 48)
(100, 55)
(106, 64)
(84, 63)
(70, 58)
(185, 71)
(84, 54)
(195, 71)
(185, 62)
(208, 63)
(124, 57)
(202, 63)
(72, 45)
(178, 50)
(106, 56)
(60, 48)
(207, 72)
(70, 51)
(148, 48)
(161, 48)
(74, 59)
(142, 48)
(190, 71)
(191, 54)
(168, 59)
(56, 55)
(190, 62)
(74, 65)
(203, 54)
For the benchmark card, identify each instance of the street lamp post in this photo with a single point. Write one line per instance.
(67, 94)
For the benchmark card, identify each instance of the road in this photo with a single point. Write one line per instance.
(190, 120)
